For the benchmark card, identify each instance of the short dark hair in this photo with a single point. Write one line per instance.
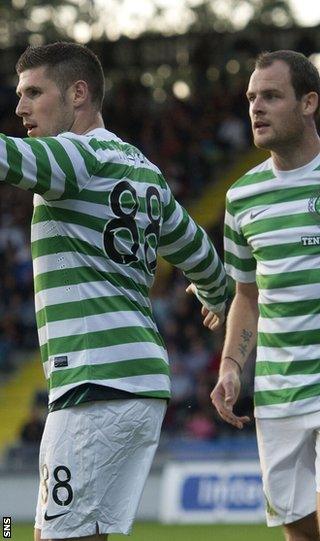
(67, 63)
(304, 75)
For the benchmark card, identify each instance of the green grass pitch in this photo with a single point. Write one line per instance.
(150, 531)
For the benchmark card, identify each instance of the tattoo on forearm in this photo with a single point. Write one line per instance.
(246, 336)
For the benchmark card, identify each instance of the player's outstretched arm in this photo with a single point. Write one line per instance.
(54, 167)
(239, 342)
(186, 245)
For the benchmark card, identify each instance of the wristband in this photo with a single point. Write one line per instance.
(237, 362)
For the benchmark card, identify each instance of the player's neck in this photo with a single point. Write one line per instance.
(295, 156)
(86, 123)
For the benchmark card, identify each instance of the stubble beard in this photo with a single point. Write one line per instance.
(66, 118)
(279, 141)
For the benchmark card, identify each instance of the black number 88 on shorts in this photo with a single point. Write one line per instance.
(62, 493)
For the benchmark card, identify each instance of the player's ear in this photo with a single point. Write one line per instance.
(310, 103)
(80, 92)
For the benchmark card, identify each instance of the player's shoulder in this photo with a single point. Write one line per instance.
(107, 144)
(109, 148)
(254, 177)
(259, 173)
(98, 138)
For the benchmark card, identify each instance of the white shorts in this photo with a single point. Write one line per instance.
(94, 461)
(289, 450)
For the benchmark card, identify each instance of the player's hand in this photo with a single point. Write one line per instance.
(212, 320)
(224, 396)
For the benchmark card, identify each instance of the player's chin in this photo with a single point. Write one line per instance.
(262, 142)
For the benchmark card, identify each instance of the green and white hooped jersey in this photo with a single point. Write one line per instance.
(272, 236)
(102, 213)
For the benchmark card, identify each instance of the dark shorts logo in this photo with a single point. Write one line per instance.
(51, 517)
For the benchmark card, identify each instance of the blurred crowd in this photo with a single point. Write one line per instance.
(17, 320)
(194, 142)
(190, 140)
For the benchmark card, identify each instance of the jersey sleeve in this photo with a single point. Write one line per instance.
(239, 261)
(54, 167)
(187, 246)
